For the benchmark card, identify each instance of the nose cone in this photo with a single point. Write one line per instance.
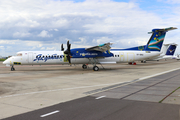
(6, 62)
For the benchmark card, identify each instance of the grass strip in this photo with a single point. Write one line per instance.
(2, 59)
(168, 95)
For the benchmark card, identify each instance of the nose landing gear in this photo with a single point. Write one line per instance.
(12, 68)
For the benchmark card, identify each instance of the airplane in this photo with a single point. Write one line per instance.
(170, 51)
(102, 54)
(167, 50)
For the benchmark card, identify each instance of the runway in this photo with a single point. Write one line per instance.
(119, 92)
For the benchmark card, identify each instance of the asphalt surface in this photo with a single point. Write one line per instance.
(140, 100)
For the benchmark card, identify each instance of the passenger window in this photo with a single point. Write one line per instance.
(36, 56)
(58, 56)
(49, 56)
(115, 55)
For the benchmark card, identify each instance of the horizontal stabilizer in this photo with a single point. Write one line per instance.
(164, 29)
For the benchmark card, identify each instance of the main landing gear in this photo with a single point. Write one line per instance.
(143, 61)
(84, 66)
(95, 68)
(12, 68)
(93, 61)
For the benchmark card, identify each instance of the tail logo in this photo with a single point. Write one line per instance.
(171, 51)
(158, 38)
(141, 48)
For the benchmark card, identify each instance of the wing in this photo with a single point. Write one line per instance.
(101, 48)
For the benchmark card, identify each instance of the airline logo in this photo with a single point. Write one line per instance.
(171, 50)
(84, 54)
(44, 58)
(141, 48)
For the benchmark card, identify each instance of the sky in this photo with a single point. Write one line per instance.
(43, 25)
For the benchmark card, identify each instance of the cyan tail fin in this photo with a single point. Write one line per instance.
(156, 41)
(171, 49)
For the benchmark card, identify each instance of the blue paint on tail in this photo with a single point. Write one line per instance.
(155, 42)
(171, 50)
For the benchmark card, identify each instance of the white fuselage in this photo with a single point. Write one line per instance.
(58, 57)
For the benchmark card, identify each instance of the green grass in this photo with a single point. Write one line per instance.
(169, 95)
(2, 59)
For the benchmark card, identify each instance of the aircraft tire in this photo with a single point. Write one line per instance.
(12, 68)
(95, 68)
(84, 66)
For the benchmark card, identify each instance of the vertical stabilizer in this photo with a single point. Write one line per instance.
(156, 41)
(164, 48)
(171, 50)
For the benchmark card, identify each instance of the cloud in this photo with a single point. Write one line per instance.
(51, 48)
(45, 34)
(44, 24)
(1, 47)
(19, 34)
(171, 1)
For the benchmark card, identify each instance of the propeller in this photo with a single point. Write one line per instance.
(68, 52)
(62, 49)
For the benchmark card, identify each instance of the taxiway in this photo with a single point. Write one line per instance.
(68, 92)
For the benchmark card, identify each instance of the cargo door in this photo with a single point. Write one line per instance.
(130, 57)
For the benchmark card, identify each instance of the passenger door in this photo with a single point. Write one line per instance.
(30, 57)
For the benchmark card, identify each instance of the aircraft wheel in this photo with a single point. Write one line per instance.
(12, 68)
(95, 68)
(84, 66)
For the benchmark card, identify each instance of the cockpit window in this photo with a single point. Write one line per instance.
(19, 54)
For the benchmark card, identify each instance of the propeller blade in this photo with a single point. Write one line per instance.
(69, 47)
(69, 59)
(62, 49)
(68, 52)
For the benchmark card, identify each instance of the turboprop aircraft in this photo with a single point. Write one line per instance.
(102, 54)
(167, 52)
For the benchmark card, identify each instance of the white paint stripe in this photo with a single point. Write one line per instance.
(158, 74)
(88, 86)
(49, 113)
(100, 97)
